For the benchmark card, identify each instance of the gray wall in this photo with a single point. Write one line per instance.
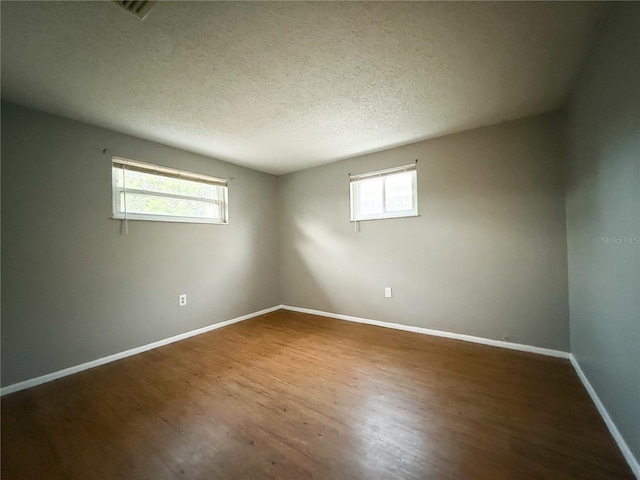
(75, 289)
(603, 217)
(486, 257)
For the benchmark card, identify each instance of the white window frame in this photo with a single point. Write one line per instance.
(119, 210)
(355, 181)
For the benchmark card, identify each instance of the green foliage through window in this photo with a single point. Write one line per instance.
(146, 192)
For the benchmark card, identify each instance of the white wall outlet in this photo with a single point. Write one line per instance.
(182, 299)
(387, 292)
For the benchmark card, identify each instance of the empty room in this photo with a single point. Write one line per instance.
(320, 240)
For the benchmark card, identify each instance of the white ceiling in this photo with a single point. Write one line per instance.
(285, 86)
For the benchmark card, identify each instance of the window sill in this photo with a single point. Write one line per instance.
(170, 220)
(384, 218)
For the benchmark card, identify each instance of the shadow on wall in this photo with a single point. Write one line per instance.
(319, 254)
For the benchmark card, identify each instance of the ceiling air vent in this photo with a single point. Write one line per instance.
(137, 8)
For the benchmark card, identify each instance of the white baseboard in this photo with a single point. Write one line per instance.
(127, 353)
(624, 448)
(438, 333)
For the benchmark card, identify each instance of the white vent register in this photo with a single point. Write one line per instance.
(138, 8)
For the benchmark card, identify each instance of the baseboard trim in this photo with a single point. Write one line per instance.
(437, 333)
(624, 448)
(127, 353)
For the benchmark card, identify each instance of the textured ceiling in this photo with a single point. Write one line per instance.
(285, 86)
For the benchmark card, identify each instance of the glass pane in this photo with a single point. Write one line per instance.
(156, 205)
(399, 192)
(117, 176)
(153, 182)
(370, 196)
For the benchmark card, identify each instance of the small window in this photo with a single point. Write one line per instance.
(149, 192)
(387, 193)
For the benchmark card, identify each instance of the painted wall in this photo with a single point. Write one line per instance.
(603, 219)
(75, 289)
(487, 255)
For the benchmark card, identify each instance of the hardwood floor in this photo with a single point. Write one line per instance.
(295, 396)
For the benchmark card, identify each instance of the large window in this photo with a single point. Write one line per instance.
(149, 192)
(387, 193)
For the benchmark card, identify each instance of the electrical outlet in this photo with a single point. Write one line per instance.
(182, 299)
(387, 292)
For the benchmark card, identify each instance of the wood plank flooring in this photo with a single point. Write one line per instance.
(295, 396)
